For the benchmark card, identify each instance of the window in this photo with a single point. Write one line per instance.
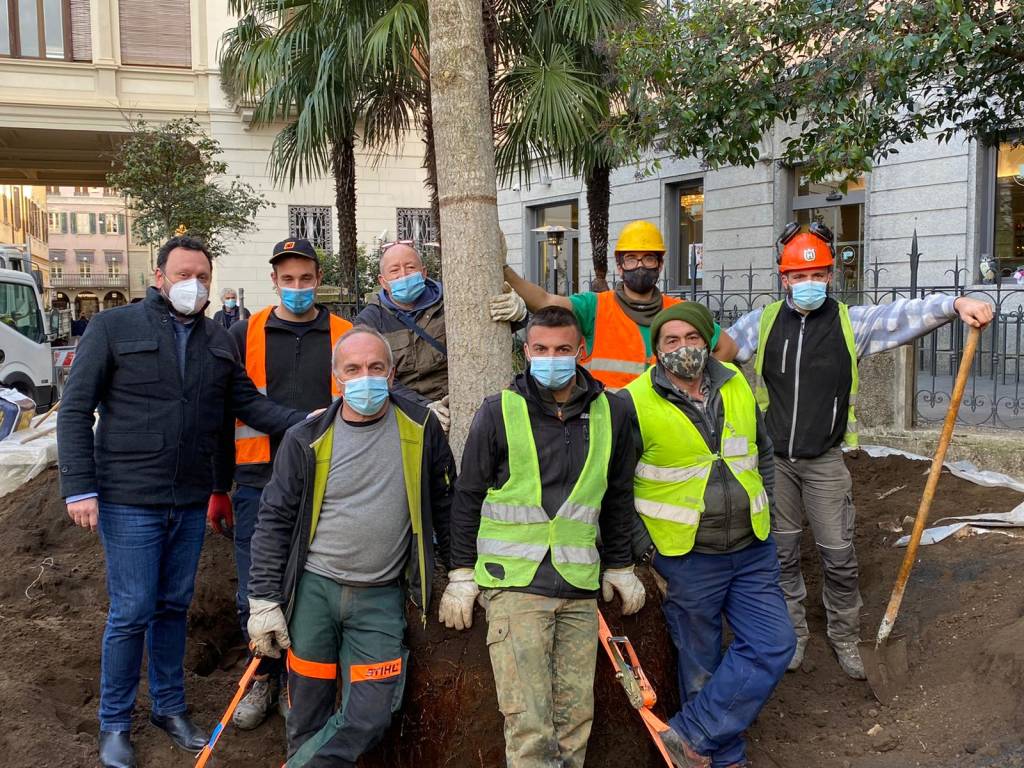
(557, 267)
(57, 254)
(311, 222)
(56, 271)
(20, 310)
(35, 29)
(111, 223)
(53, 190)
(685, 231)
(58, 222)
(16, 202)
(843, 213)
(156, 34)
(84, 259)
(84, 223)
(1008, 217)
(85, 270)
(415, 224)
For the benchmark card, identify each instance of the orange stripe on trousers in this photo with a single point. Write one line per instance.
(315, 669)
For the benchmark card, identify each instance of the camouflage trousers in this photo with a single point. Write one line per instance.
(543, 652)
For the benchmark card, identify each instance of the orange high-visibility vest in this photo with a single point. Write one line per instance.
(618, 355)
(253, 446)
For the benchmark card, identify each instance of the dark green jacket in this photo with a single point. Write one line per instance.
(291, 502)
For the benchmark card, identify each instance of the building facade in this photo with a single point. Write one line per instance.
(68, 81)
(23, 230)
(965, 200)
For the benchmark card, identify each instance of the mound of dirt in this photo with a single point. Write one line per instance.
(963, 613)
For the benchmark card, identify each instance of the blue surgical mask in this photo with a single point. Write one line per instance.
(553, 372)
(809, 295)
(298, 300)
(405, 290)
(231, 303)
(367, 394)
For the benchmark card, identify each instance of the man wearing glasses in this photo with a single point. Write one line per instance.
(807, 348)
(616, 324)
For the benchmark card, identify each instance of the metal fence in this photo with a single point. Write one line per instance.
(995, 392)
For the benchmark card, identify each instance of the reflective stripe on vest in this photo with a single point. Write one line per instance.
(768, 317)
(675, 467)
(618, 355)
(251, 445)
(516, 532)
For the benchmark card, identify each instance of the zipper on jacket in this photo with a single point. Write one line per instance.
(835, 408)
(796, 382)
(785, 351)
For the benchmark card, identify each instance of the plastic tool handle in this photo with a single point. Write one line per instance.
(967, 359)
(243, 686)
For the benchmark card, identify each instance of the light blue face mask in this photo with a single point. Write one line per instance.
(809, 295)
(231, 303)
(367, 394)
(405, 290)
(553, 372)
(298, 300)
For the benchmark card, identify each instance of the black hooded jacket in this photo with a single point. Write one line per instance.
(562, 437)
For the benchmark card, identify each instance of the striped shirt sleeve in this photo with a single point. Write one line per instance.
(881, 327)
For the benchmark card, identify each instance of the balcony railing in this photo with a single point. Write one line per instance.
(102, 280)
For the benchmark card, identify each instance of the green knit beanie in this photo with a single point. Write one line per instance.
(692, 312)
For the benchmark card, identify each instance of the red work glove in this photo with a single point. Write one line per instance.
(220, 514)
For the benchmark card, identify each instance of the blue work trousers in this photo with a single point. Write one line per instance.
(722, 693)
(152, 554)
(246, 503)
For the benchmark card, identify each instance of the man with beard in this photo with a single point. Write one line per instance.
(616, 324)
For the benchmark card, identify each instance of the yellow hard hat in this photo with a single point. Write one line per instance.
(640, 236)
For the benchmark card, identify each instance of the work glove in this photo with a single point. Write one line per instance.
(625, 582)
(268, 631)
(458, 598)
(219, 514)
(440, 409)
(507, 307)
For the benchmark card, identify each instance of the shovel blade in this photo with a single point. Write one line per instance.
(886, 666)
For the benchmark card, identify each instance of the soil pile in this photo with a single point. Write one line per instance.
(964, 616)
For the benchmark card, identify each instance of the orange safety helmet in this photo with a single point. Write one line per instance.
(799, 250)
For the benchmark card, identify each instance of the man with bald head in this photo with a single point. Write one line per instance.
(409, 312)
(347, 523)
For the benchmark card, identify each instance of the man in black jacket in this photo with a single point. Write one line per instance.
(162, 377)
(548, 463)
(352, 509)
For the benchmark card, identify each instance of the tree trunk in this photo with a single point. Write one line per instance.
(479, 350)
(599, 195)
(343, 167)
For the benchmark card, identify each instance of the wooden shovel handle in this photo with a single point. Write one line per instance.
(900, 587)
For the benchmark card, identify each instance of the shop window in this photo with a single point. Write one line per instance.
(685, 233)
(1007, 261)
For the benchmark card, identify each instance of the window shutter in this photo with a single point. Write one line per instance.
(101, 227)
(120, 224)
(92, 223)
(74, 223)
(157, 34)
(81, 31)
(64, 223)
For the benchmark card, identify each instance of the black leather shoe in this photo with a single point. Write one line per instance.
(182, 731)
(116, 750)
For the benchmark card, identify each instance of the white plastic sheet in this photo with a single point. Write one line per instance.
(25, 454)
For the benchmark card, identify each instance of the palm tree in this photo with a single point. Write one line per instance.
(319, 67)
(555, 101)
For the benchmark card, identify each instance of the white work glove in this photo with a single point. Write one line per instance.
(630, 588)
(458, 598)
(268, 631)
(440, 409)
(507, 307)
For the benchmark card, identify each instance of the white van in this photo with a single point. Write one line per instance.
(26, 360)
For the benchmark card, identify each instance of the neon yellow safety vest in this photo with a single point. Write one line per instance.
(676, 463)
(516, 533)
(768, 317)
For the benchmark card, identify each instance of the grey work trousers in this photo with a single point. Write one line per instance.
(819, 490)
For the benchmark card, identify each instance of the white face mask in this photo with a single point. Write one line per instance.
(188, 296)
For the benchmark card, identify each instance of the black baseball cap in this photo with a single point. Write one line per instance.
(295, 247)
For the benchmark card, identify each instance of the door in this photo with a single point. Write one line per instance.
(556, 268)
(843, 213)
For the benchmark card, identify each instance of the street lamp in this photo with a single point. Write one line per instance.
(557, 269)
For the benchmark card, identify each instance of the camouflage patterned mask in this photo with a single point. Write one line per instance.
(685, 362)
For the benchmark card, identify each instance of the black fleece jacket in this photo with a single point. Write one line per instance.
(563, 441)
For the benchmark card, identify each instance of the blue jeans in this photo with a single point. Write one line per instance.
(152, 554)
(246, 502)
(722, 694)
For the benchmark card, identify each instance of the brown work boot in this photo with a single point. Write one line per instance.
(682, 754)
